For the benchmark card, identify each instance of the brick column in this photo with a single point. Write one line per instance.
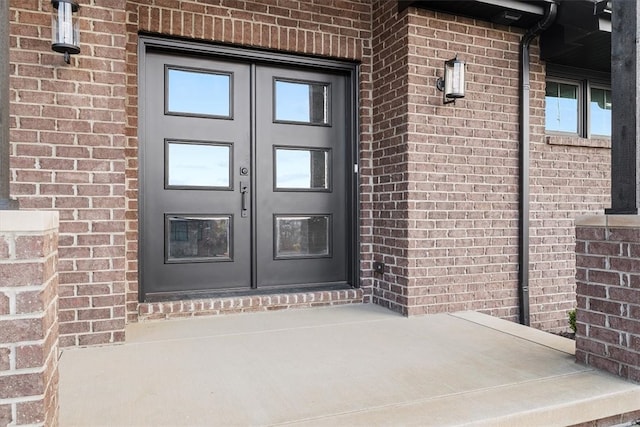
(28, 318)
(608, 293)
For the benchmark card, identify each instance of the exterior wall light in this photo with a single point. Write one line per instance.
(452, 84)
(65, 35)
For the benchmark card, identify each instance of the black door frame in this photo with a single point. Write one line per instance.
(148, 43)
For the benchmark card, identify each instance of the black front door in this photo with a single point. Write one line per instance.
(244, 177)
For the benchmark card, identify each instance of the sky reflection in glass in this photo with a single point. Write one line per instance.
(304, 169)
(199, 93)
(292, 101)
(561, 107)
(600, 112)
(198, 165)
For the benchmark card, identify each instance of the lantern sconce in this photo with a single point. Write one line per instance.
(65, 34)
(452, 84)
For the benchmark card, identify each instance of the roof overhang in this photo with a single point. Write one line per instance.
(579, 37)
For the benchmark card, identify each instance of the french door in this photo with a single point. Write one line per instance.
(244, 176)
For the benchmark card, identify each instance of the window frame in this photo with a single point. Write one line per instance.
(585, 79)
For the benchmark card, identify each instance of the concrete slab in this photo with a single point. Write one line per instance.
(347, 365)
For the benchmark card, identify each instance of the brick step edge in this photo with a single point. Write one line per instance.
(244, 304)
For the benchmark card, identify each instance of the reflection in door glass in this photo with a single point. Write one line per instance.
(199, 237)
(302, 169)
(301, 102)
(302, 236)
(199, 93)
(198, 165)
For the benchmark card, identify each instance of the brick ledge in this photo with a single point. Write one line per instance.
(615, 221)
(242, 304)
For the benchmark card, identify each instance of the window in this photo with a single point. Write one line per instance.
(301, 102)
(600, 112)
(562, 108)
(577, 102)
(197, 93)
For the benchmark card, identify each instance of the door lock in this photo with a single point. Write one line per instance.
(244, 171)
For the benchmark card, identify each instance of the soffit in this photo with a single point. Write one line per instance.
(580, 36)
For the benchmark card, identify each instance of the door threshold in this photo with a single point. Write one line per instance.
(227, 293)
(266, 300)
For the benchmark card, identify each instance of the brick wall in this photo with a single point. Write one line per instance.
(570, 177)
(608, 293)
(28, 318)
(446, 176)
(464, 168)
(331, 28)
(439, 195)
(389, 151)
(67, 133)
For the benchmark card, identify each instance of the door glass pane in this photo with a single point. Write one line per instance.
(302, 236)
(561, 108)
(302, 169)
(198, 93)
(600, 112)
(198, 165)
(201, 238)
(301, 102)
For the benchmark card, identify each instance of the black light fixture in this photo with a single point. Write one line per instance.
(65, 35)
(452, 84)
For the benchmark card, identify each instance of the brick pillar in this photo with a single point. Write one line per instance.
(608, 293)
(28, 318)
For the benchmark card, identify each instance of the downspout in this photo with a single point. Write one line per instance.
(525, 89)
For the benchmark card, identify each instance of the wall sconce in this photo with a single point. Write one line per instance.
(65, 35)
(452, 84)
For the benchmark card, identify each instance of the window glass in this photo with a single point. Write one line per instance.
(198, 165)
(302, 236)
(301, 102)
(561, 108)
(198, 93)
(199, 237)
(600, 112)
(302, 169)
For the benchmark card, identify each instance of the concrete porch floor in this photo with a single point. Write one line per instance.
(339, 366)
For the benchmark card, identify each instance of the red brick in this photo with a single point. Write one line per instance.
(625, 325)
(6, 416)
(74, 327)
(604, 363)
(4, 304)
(23, 274)
(5, 354)
(625, 264)
(93, 314)
(21, 385)
(604, 306)
(604, 277)
(32, 301)
(30, 356)
(95, 339)
(605, 335)
(31, 412)
(591, 290)
(591, 318)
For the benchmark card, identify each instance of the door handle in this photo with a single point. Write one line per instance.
(244, 191)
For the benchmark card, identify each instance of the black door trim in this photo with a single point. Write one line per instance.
(148, 43)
